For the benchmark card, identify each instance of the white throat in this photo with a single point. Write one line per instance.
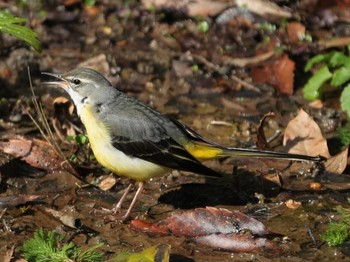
(78, 100)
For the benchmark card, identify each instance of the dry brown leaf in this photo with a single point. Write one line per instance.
(12, 201)
(296, 32)
(189, 7)
(68, 216)
(337, 164)
(261, 142)
(99, 63)
(217, 228)
(8, 255)
(239, 243)
(263, 8)
(201, 222)
(36, 153)
(212, 8)
(292, 204)
(92, 10)
(107, 183)
(303, 136)
(278, 72)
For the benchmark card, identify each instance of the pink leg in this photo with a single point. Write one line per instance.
(121, 200)
(138, 192)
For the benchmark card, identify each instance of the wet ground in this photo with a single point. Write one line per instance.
(165, 59)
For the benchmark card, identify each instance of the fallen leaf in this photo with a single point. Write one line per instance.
(202, 221)
(107, 183)
(218, 228)
(99, 63)
(239, 243)
(261, 142)
(188, 7)
(181, 69)
(343, 4)
(263, 8)
(337, 164)
(292, 204)
(36, 153)
(12, 201)
(212, 8)
(67, 217)
(92, 10)
(295, 32)
(9, 254)
(303, 136)
(316, 104)
(278, 72)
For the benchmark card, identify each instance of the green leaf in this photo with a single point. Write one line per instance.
(345, 100)
(9, 24)
(49, 247)
(338, 59)
(81, 139)
(313, 88)
(343, 133)
(340, 76)
(316, 60)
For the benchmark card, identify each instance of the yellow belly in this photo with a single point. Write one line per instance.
(110, 157)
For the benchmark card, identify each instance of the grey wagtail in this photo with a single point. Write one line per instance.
(131, 139)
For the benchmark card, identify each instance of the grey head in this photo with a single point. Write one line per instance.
(85, 85)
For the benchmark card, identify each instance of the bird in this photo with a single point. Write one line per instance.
(131, 139)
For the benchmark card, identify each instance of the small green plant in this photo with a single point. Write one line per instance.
(10, 24)
(90, 3)
(334, 70)
(49, 247)
(203, 26)
(336, 234)
(338, 231)
(268, 27)
(343, 133)
(79, 139)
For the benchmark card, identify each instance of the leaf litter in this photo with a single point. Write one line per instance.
(210, 65)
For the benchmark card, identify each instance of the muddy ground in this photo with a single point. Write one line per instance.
(165, 58)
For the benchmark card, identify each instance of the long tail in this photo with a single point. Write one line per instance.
(248, 152)
(204, 149)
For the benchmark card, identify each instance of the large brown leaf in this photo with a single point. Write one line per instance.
(217, 228)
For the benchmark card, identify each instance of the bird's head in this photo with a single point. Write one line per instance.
(84, 85)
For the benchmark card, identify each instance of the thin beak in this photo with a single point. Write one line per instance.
(61, 81)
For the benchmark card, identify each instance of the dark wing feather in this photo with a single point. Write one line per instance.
(193, 135)
(142, 132)
(165, 152)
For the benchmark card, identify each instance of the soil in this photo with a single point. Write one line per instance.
(162, 57)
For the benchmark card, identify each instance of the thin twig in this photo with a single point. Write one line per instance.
(245, 84)
(44, 128)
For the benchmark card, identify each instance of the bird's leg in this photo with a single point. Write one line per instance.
(118, 206)
(138, 192)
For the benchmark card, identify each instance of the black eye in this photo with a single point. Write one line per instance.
(76, 81)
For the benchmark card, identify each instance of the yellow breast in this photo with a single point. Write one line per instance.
(110, 157)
